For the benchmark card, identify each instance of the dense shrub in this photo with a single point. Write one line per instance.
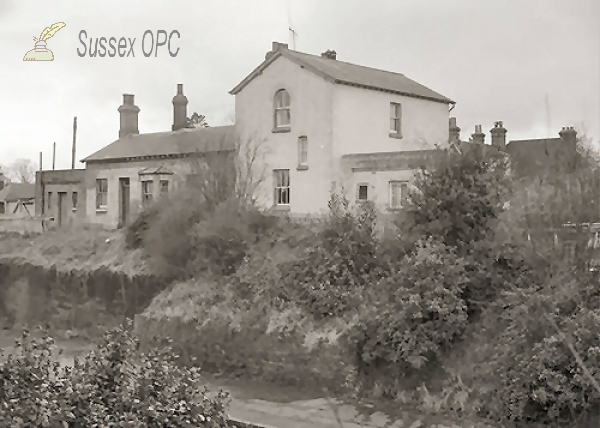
(459, 199)
(114, 385)
(539, 377)
(414, 316)
(136, 231)
(167, 241)
(328, 279)
(459, 202)
(184, 238)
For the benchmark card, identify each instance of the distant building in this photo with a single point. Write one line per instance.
(17, 200)
(60, 196)
(132, 172)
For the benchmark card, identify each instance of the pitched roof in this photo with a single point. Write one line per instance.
(533, 156)
(17, 191)
(349, 74)
(167, 144)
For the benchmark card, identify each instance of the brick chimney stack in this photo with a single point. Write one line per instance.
(329, 54)
(454, 131)
(129, 116)
(498, 135)
(478, 137)
(568, 134)
(180, 103)
(276, 46)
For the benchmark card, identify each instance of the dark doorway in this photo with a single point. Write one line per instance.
(62, 209)
(123, 201)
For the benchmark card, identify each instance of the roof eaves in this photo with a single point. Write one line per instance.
(139, 158)
(442, 99)
(287, 54)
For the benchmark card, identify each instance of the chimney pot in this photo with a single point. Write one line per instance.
(478, 137)
(568, 134)
(275, 47)
(454, 131)
(180, 102)
(329, 54)
(129, 116)
(498, 135)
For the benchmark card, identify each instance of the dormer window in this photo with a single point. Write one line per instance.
(282, 115)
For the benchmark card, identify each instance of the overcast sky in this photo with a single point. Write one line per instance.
(499, 60)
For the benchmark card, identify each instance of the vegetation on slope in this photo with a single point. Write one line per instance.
(436, 315)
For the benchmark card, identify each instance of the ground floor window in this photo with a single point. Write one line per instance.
(164, 187)
(102, 194)
(398, 194)
(74, 201)
(282, 186)
(147, 191)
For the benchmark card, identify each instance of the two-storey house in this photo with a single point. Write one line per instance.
(327, 124)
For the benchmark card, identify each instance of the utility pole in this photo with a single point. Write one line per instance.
(74, 142)
(53, 155)
(548, 123)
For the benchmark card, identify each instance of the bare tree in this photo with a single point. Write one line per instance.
(22, 170)
(250, 170)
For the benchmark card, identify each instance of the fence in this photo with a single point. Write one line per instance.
(21, 225)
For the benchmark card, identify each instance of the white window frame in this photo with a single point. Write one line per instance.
(395, 119)
(281, 103)
(282, 187)
(402, 202)
(147, 194)
(302, 150)
(101, 195)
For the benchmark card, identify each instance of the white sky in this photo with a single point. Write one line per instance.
(497, 59)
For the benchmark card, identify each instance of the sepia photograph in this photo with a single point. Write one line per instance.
(300, 213)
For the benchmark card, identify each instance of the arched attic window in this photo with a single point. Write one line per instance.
(281, 112)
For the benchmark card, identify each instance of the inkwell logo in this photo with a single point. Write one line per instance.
(41, 52)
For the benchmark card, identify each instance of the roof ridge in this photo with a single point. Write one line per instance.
(352, 64)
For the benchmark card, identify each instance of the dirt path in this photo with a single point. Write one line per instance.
(260, 405)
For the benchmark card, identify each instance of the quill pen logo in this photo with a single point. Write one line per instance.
(40, 51)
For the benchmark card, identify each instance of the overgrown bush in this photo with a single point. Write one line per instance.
(413, 317)
(328, 279)
(534, 354)
(459, 201)
(115, 385)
